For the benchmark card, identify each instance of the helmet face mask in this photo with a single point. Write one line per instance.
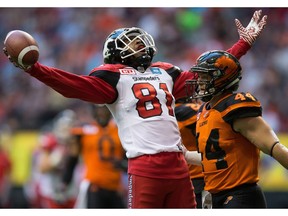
(217, 71)
(62, 125)
(120, 47)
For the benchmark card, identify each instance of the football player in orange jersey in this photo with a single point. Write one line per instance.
(104, 161)
(230, 132)
(185, 113)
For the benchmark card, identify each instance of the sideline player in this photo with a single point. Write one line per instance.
(103, 158)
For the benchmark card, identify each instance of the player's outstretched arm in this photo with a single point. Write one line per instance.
(251, 32)
(258, 132)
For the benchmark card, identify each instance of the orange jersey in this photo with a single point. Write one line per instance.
(228, 158)
(186, 118)
(100, 147)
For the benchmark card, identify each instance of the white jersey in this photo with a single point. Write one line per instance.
(141, 103)
(144, 112)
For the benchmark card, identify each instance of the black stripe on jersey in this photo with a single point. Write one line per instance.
(108, 76)
(201, 107)
(229, 101)
(183, 112)
(192, 128)
(174, 72)
(242, 112)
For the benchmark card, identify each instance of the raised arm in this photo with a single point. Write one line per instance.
(253, 29)
(248, 35)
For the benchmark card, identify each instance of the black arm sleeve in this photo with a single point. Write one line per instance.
(71, 163)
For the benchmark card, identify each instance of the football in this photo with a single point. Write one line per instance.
(21, 47)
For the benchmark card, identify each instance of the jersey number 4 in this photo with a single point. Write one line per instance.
(148, 104)
(213, 151)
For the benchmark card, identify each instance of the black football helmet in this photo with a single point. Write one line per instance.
(117, 48)
(223, 68)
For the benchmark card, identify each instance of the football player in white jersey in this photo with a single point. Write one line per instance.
(141, 97)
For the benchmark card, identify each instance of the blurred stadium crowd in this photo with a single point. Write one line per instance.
(72, 39)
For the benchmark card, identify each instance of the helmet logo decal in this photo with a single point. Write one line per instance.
(225, 62)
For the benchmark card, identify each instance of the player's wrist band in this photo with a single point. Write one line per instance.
(271, 151)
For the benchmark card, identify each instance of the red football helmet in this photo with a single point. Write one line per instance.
(48, 141)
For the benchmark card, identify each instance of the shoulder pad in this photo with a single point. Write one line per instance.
(108, 67)
(77, 131)
(186, 114)
(239, 105)
(183, 112)
(239, 99)
(164, 65)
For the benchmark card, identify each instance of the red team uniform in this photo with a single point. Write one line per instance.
(47, 183)
(142, 105)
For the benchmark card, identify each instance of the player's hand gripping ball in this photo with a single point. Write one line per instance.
(21, 49)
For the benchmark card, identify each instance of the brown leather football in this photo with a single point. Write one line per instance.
(22, 47)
